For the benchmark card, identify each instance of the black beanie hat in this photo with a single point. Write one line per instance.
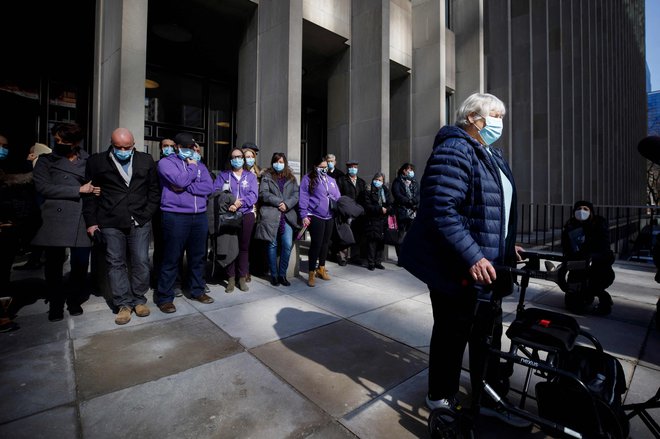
(583, 203)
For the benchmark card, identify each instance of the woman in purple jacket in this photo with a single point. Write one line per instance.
(245, 188)
(185, 183)
(316, 191)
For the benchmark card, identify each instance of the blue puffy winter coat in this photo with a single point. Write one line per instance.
(461, 214)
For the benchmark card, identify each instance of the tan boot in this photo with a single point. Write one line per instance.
(310, 281)
(231, 284)
(323, 274)
(242, 285)
(123, 316)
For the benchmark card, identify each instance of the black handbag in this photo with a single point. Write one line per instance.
(230, 220)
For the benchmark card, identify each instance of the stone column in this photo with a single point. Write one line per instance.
(428, 78)
(370, 86)
(119, 71)
(279, 78)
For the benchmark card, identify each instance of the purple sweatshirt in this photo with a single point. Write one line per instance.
(246, 189)
(318, 203)
(185, 187)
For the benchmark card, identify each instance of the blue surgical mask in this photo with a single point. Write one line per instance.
(4, 152)
(410, 175)
(331, 165)
(581, 215)
(492, 131)
(168, 150)
(196, 157)
(185, 153)
(352, 171)
(122, 154)
(377, 183)
(279, 167)
(237, 163)
(249, 161)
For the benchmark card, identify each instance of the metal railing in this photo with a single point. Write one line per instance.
(633, 229)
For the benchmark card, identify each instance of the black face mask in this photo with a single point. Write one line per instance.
(61, 149)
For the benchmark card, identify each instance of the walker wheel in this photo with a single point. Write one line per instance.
(446, 423)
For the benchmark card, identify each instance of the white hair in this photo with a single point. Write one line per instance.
(480, 104)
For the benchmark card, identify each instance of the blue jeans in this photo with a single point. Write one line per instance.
(123, 245)
(182, 232)
(286, 241)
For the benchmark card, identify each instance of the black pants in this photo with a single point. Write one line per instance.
(58, 294)
(375, 249)
(320, 231)
(457, 320)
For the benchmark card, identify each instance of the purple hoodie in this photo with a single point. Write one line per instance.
(318, 203)
(246, 189)
(185, 187)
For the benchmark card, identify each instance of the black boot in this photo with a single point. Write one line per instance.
(605, 303)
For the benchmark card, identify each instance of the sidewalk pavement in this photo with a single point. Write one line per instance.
(345, 359)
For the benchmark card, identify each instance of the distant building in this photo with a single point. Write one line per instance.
(654, 113)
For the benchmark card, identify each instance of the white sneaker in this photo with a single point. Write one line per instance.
(505, 416)
(549, 266)
(437, 403)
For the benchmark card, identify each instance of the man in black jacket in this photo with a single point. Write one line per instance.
(121, 217)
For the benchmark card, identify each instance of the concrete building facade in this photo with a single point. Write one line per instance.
(374, 80)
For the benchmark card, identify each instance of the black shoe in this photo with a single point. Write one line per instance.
(342, 263)
(75, 310)
(274, 281)
(283, 280)
(602, 309)
(55, 315)
(380, 266)
(371, 267)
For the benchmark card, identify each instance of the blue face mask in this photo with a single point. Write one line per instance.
(250, 162)
(377, 183)
(168, 150)
(185, 153)
(352, 171)
(492, 131)
(122, 154)
(279, 167)
(196, 157)
(237, 163)
(4, 152)
(409, 175)
(331, 165)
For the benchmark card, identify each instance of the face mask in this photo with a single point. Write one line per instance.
(377, 183)
(352, 171)
(185, 153)
(279, 167)
(121, 154)
(492, 131)
(322, 170)
(168, 150)
(581, 215)
(410, 175)
(249, 162)
(196, 157)
(62, 149)
(3, 152)
(331, 165)
(237, 163)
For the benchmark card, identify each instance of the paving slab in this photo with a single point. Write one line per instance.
(645, 384)
(58, 423)
(342, 365)
(256, 292)
(236, 397)
(103, 319)
(407, 321)
(35, 330)
(398, 413)
(397, 281)
(36, 379)
(115, 360)
(346, 298)
(254, 324)
(651, 355)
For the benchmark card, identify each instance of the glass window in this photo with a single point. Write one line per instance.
(174, 100)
